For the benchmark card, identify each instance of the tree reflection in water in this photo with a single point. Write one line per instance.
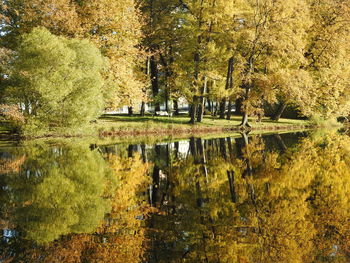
(277, 198)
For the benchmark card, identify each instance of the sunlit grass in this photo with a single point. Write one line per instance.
(126, 124)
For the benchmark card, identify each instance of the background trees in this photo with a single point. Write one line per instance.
(209, 52)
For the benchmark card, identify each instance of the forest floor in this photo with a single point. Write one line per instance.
(121, 125)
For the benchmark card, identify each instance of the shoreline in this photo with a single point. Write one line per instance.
(121, 127)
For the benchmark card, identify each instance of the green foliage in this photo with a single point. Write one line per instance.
(56, 81)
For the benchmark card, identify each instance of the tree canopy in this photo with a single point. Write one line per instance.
(261, 56)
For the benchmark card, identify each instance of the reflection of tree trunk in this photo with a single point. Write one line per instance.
(176, 146)
(231, 178)
(168, 161)
(279, 111)
(280, 142)
(199, 146)
(130, 151)
(143, 153)
(223, 147)
(193, 147)
(155, 179)
(203, 161)
(249, 170)
(239, 145)
(230, 147)
(155, 186)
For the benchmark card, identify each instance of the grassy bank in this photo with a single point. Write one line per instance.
(125, 126)
(117, 125)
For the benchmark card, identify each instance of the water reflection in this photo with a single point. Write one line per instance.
(275, 198)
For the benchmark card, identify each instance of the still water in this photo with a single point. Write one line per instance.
(259, 198)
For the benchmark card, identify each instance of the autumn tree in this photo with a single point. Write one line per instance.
(113, 26)
(271, 42)
(327, 55)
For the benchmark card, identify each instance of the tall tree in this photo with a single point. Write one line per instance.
(271, 40)
(327, 54)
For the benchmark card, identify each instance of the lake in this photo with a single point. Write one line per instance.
(235, 198)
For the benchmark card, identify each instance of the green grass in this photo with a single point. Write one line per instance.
(149, 126)
(119, 124)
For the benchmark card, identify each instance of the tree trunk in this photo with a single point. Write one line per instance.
(176, 108)
(238, 103)
(154, 81)
(130, 111)
(228, 86)
(200, 111)
(143, 109)
(210, 108)
(245, 121)
(279, 111)
(222, 108)
(193, 110)
(228, 117)
(216, 109)
(201, 106)
(166, 98)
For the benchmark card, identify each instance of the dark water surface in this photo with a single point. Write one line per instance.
(261, 198)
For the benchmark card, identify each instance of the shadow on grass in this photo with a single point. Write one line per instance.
(185, 120)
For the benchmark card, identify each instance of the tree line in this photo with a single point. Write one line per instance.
(64, 61)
